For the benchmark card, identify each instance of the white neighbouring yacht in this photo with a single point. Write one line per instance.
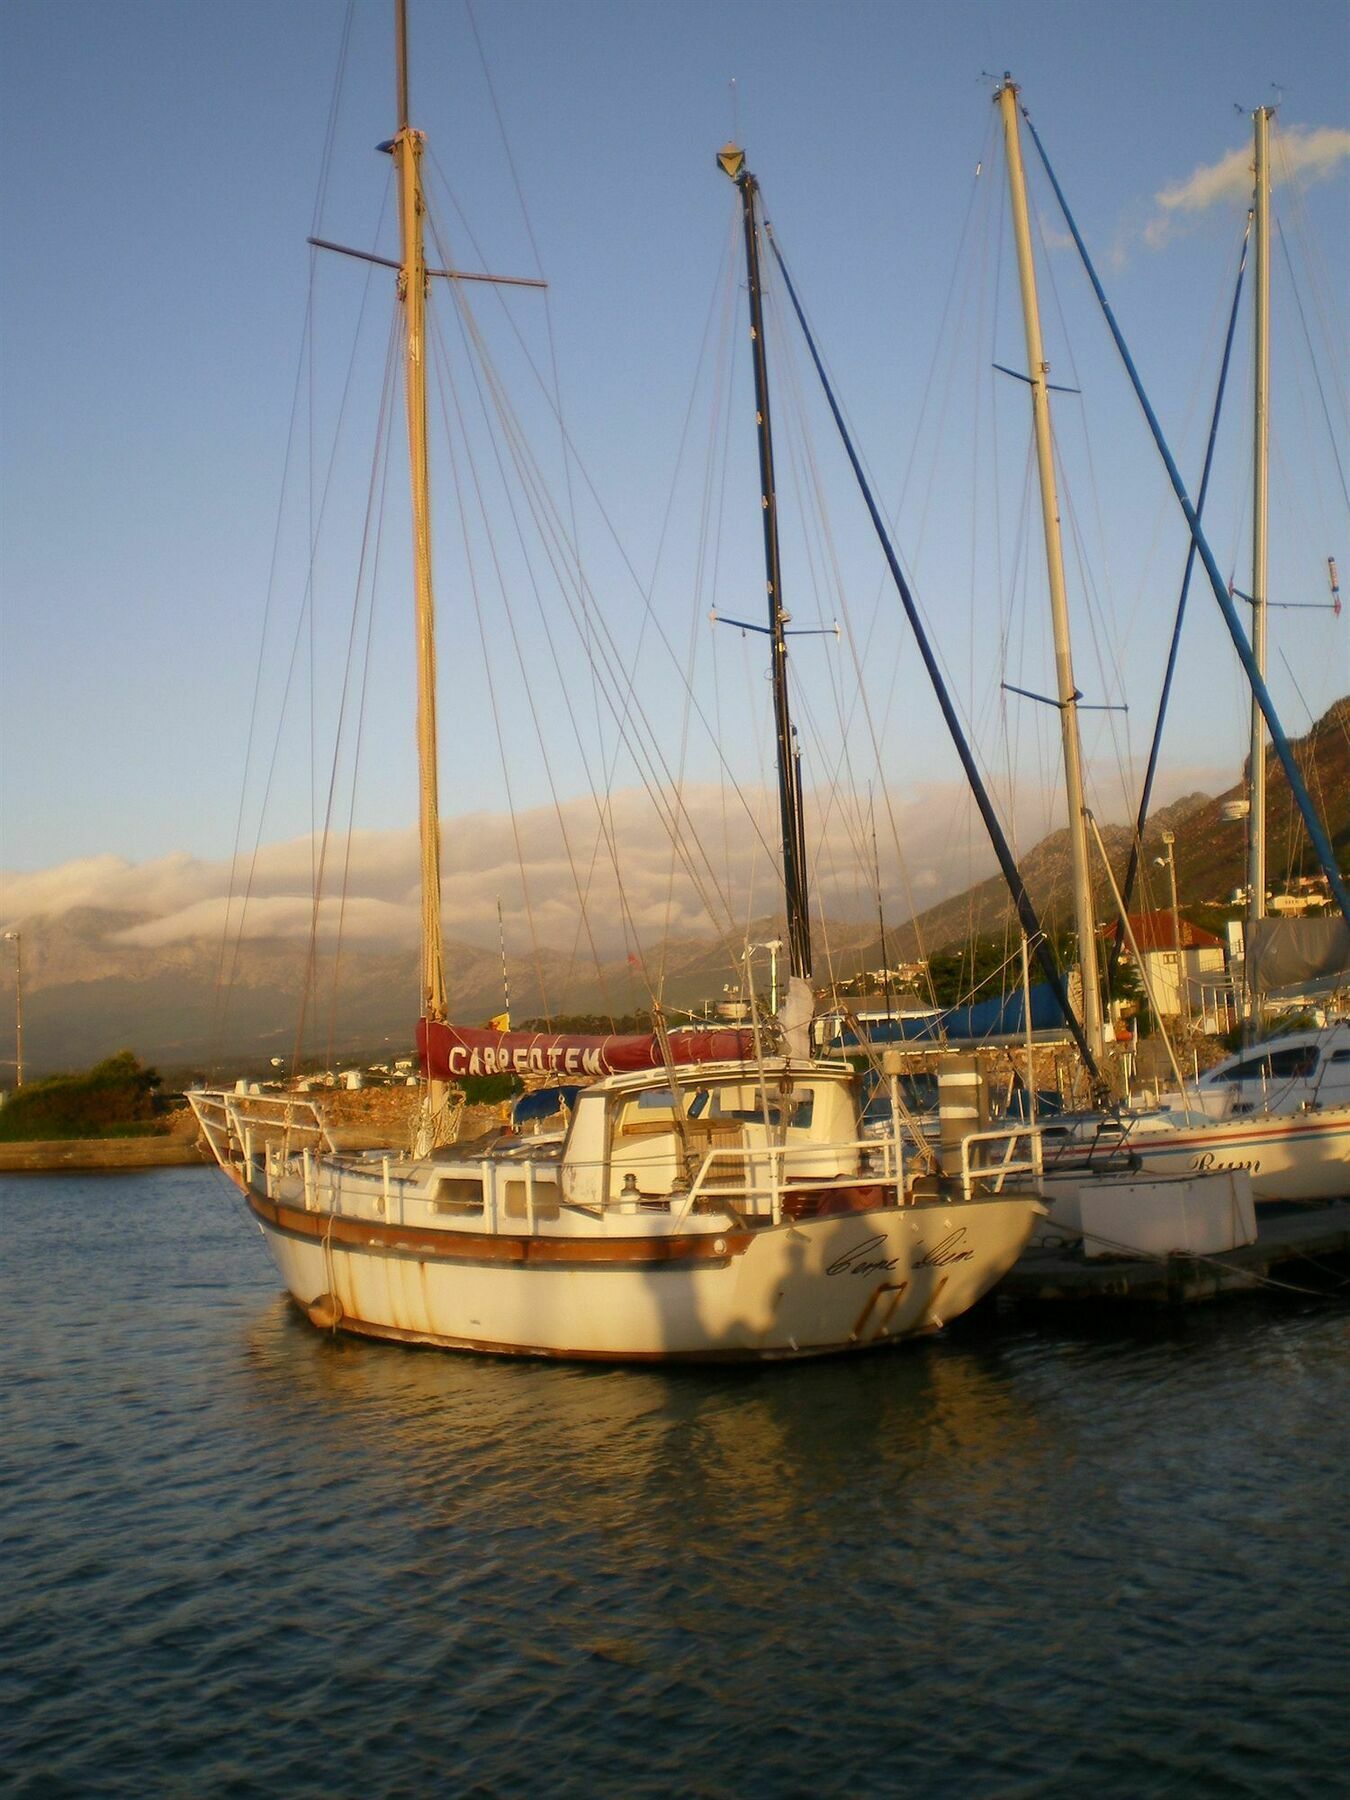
(1279, 1109)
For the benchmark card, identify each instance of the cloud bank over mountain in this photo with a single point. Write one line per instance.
(611, 865)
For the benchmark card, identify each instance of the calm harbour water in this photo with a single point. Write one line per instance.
(1029, 1558)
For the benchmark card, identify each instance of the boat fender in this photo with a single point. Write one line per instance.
(325, 1312)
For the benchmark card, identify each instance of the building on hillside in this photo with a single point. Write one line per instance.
(1192, 974)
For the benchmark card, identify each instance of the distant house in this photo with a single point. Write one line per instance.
(1198, 963)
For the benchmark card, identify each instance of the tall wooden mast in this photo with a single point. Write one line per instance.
(731, 160)
(1067, 695)
(412, 286)
(1256, 835)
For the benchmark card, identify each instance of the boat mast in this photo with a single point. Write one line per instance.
(731, 160)
(412, 287)
(1256, 843)
(1068, 695)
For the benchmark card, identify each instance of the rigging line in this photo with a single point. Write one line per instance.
(854, 650)
(309, 983)
(1315, 263)
(448, 393)
(1308, 517)
(570, 539)
(1312, 358)
(1110, 680)
(585, 598)
(721, 449)
(724, 285)
(360, 730)
(325, 170)
(1102, 610)
(528, 474)
(1026, 911)
(1325, 854)
(615, 684)
(1020, 581)
(951, 365)
(555, 372)
(723, 288)
(334, 107)
(538, 258)
(477, 350)
(714, 502)
(619, 697)
(310, 607)
(1139, 613)
(943, 317)
(220, 991)
(600, 789)
(481, 361)
(307, 340)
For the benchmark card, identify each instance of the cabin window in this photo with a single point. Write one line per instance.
(747, 1103)
(1248, 1071)
(1277, 1065)
(1339, 1056)
(1295, 1062)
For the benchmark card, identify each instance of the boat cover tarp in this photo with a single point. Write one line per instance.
(449, 1052)
(1293, 952)
(1004, 1016)
(543, 1103)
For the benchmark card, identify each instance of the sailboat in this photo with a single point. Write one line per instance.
(713, 1195)
(1291, 1139)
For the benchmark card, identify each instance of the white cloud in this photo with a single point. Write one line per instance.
(1311, 154)
(725, 865)
(728, 858)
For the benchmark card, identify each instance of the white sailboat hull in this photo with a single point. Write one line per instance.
(1304, 1156)
(794, 1289)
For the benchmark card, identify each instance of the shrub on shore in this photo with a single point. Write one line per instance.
(115, 1098)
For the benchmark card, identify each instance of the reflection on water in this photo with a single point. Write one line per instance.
(1019, 1558)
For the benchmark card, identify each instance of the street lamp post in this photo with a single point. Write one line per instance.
(14, 938)
(773, 947)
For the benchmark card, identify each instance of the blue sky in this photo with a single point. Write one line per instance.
(162, 166)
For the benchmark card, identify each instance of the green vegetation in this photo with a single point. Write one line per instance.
(982, 970)
(116, 1098)
(489, 1090)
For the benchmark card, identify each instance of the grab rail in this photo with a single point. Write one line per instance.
(998, 1173)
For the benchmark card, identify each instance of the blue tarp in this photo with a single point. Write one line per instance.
(543, 1103)
(1003, 1017)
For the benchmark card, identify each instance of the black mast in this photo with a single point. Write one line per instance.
(731, 161)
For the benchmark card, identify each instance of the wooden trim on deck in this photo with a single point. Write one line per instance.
(428, 1245)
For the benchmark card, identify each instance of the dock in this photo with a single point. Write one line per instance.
(1293, 1247)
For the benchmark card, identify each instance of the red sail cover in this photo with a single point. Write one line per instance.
(449, 1052)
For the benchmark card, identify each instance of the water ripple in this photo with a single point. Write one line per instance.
(1024, 1559)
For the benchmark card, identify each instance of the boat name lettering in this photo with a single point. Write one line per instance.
(946, 1250)
(1203, 1164)
(536, 1059)
(857, 1261)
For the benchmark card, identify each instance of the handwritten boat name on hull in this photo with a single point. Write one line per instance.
(861, 1260)
(1202, 1165)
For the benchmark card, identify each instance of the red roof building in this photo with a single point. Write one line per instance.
(1154, 931)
